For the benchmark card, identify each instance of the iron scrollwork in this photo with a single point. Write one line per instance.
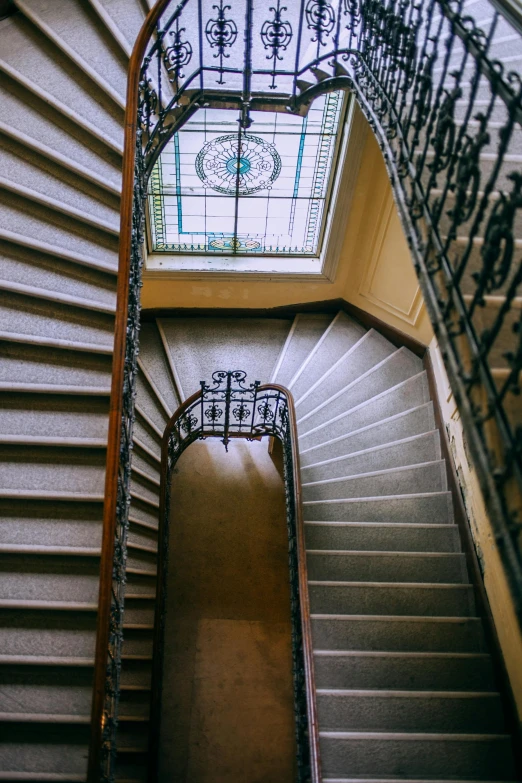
(448, 118)
(221, 34)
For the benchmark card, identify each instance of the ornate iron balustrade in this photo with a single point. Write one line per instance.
(229, 408)
(447, 115)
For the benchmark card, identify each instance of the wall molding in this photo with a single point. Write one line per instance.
(410, 315)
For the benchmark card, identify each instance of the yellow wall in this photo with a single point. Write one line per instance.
(375, 271)
(495, 582)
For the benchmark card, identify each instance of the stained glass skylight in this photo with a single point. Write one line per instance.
(218, 190)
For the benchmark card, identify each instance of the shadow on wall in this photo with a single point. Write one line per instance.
(227, 697)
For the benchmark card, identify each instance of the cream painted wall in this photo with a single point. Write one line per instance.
(375, 270)
(495, 582)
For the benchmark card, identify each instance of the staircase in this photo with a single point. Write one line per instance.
(405, 686)
(396, 642)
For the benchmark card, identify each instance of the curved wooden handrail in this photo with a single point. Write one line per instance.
(313, 728)
(116, 398)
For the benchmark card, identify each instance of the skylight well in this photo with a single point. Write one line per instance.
(219, 192)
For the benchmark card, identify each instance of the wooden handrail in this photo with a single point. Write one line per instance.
(157, 665)
(116, 399)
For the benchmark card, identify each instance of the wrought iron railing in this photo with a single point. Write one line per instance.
(228, 408)
(447, 114)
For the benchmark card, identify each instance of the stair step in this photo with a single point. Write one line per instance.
(35, 523)
(56, 279)
(382, 536)
(397, 634)
(411, 479)
(391, 371)
(46, 691)
(48, 72)
(54, 420)
(370, 350)
(410, 423)
(155, 367)
(29, 119)
(395, 598)
(52, 473)
(199, 346)
(342, 566)
(340, 336)
(94, 53)
(43, 370)
(35, 319)
(400, 453)
(409, 394)
(432, 508)
(418, 756)
(149, 405)
(50, 578)
(28, 171)
(59, 633)
(403, 670)
(54, 749)
(419, 711)
(306, 330)
(70, 237)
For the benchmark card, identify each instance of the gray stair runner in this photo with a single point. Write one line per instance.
(405, 683)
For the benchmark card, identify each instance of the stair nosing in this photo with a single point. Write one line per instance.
(447, 493)
(395, 618)
(379, 447)
(51, 203)
(43, 717)
(51, 551)
(59, 252)
(399, 654)
(405, 525)
(379, 553)
(434, 736)
(314, 350)
(145, 449)
(112, 28)
(368, 426)
(72, 55)
(39, 440)
(392, 585)
(399, 694)
(369, 474)
(349, 412)
(52, 606)
(59, 158)
(284, 350)
(53, 296)
(334, 366)
(43, 388)
(43, 660)
(52, 342)
(61, 107)
(353, 383)
(50, 495)
(140, 523)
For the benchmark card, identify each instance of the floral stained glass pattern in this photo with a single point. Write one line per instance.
(219, 189)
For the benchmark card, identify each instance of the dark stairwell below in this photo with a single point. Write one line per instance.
(227, 710)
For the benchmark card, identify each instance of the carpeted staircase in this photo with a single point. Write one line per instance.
(395, 637)
(405, 686)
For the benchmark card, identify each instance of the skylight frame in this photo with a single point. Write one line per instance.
(322, 265)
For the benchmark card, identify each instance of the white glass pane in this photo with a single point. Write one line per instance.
(218, 189)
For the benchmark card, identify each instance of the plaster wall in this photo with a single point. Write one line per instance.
(497, 590)
(375, 271)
